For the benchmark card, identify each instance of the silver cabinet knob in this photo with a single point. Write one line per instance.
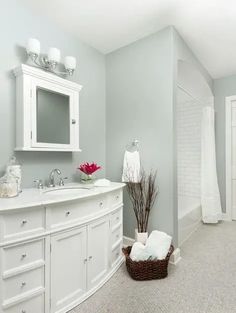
(117, 236)
(101, 203)
(85, 260)
(24, 255)
(117, 197)
(90, 257)
(117, 218)
(24, 222)
(117, 253)
(23, 311)
(23, 283)
(67, 213)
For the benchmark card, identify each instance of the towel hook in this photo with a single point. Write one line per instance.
(133, 145)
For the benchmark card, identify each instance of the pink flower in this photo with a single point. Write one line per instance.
(89, 169)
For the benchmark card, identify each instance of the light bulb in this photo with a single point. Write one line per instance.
(70, 62)
(54, 55)
(33, 46)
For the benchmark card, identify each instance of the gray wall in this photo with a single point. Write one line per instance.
(141, 96)
(139, 105)
(223, 87)
(182, 52)
(17, 25)
(136, 103)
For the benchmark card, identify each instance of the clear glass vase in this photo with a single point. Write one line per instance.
(87, 178)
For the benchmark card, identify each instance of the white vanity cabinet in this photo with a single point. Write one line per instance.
(55, 255)
(79, 262)
(98, 251)
(68, 267)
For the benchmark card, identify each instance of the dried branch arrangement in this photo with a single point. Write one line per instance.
(143, 195)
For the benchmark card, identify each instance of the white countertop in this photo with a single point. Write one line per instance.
(32, 197)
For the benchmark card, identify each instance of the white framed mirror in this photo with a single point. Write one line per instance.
(52, 117)
(47, 111)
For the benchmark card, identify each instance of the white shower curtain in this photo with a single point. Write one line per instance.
(210, 195)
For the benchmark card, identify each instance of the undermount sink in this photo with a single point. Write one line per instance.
(68, 190)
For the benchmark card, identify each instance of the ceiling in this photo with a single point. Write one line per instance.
(207, 26)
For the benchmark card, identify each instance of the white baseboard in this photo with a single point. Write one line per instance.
(225, 217)
(174, 258)
(127, 241)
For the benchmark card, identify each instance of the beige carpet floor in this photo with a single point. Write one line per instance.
(203, 282)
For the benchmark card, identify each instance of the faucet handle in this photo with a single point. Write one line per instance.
(39, 183)
(61, 181)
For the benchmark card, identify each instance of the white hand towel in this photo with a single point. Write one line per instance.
(131, 167)
(158, 245)
(103, 182)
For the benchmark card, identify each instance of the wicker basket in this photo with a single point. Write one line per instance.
(146, 270)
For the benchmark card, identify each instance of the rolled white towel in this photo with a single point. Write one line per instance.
(158, 245)
(138, 252)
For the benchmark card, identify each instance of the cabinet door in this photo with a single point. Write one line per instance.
(54, 116)
(98, 247)
(68, 267)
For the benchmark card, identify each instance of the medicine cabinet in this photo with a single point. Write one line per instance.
(47, 111)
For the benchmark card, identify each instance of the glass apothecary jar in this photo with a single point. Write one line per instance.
(8, 186)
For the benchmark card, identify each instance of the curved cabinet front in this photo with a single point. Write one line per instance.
(68, 267)
(55, 256)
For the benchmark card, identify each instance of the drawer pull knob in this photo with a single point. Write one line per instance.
(117, 218)
(67, 213)
(23, 283)
(90, 257)
(117, 236)
(117, 253)
(101, 203)
(117, 197)
(23, 255)
(24, 222)
(85, 260)
(23, 311)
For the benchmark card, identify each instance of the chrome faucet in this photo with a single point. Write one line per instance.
(52, 177)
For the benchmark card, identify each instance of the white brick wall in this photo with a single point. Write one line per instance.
(189, 147)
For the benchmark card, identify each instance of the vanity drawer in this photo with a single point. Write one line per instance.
(23, 222)
(62, 214)
(34, 305)
(19, 284)
(116, 234)
(116, 218)
(116, 254)
(116, 198)
(22, 255)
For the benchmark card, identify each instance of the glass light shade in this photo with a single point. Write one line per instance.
(33, 46)
(70, 62)
(54, 55)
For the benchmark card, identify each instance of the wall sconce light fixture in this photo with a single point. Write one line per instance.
(51, 60)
